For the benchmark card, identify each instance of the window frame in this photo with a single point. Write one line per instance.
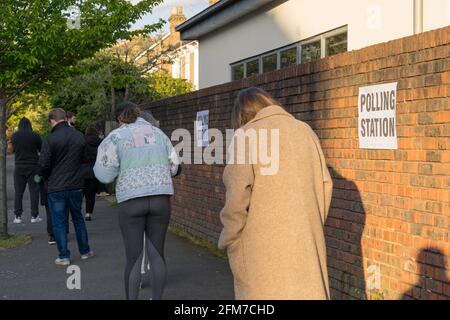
(309, 41)
(253, 60)
(334, 33)
(298, 45)
(272, 53)
(287, 48)
(237, 65)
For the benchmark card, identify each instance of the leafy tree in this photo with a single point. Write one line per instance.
(101, 82)
(38, 46)
(36, 112)
(106, 80)
(163, 85)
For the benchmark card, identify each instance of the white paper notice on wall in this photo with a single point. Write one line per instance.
(201, 128)
(377, 107)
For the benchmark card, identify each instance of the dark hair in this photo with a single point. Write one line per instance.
(91, 131)
(127, 112)
(248, 103)
(147, 116)
(70, 114)
(25, 124)
(57, 114)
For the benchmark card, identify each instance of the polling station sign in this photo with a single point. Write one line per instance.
(377, 107)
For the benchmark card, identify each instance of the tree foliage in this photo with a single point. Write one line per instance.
(89, 93)
(38, 47)
(37, 44)
(36, 112)
(163, 85)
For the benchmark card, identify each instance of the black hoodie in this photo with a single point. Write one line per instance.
(26, 144)
(90, 155)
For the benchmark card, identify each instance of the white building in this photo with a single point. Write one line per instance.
(185, 63)
(241, 38)
(178, 58)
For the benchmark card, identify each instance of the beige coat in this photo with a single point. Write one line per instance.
(274, 224)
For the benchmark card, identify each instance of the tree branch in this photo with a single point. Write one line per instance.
(24, 104)
(21, 88)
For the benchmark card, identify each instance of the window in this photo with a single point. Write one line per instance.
(319, 46)
(192, 67)
(336, 44)
(237, 72)
(252, 68)
(288, 57)
(182, 68)
(311, 51)
(270, 63)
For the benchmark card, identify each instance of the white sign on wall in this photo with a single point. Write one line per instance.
(201, 128)
(377, 107)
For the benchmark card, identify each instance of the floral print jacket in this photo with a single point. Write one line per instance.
(142, 159)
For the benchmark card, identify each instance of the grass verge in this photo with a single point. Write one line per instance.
(14, 241)
(212, 248)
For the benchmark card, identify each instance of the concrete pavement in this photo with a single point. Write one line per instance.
(28, 272)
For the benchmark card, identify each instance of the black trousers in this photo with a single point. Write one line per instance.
(90, 190)
(140, 219)
(49, 221)
(22, 177)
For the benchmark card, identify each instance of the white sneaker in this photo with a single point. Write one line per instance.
(88, 255)
(17, 220)
(62, 262)
(36, 220)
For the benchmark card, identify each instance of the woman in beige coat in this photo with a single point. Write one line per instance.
(274, 219)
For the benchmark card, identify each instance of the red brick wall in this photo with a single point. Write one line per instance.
(390, 208)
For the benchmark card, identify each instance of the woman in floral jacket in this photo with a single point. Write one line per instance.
(144, 161)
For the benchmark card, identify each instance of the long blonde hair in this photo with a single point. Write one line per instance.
(248, 103)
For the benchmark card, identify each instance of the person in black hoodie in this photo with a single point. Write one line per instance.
(60, 164)
(27, 145)
(90, 181)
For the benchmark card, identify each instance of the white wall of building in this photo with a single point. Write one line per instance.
(436, 14)
(189, 53)
(368, 21)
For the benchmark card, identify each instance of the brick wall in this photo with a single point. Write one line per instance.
(390, 209)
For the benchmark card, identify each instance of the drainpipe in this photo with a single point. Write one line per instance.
(418, 16)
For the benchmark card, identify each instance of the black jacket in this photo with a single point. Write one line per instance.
(90, 155)
(26, 144)
(61, 157)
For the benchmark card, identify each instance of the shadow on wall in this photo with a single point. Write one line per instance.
(343, 229)
(431, 263)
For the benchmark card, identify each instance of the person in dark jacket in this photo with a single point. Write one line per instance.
(26, 144)
(90, 181)
(60, 163)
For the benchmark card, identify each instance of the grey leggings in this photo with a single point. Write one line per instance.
(147, 216)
